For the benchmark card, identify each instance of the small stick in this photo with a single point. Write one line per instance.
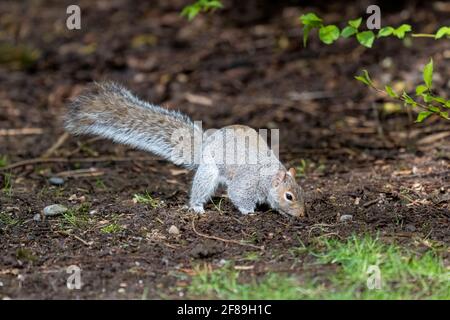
(71, 153)
(426, 175)
(66, 160)
(371, 202)
(91, 172)
(56, 145)
(75, 236)
(224, 240)
(20, 132)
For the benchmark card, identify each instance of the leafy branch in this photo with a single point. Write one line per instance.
(330, 33)
(430, 104)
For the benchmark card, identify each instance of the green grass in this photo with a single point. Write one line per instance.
(18, 57)
(3, 161)
(7, 220)
(76, 218)
(307, 167)
(7, 186)
(100, 184)
(146, 198)
(25, 254)
(404, 274)
(251, 256)
(344, 275)
(302, 168)
(224, 283)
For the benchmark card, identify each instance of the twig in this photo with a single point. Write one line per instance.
(224, 240)
(75, 236)
(311, 95)
(91, 172)
(71, 153)
(20, 132)
(426, 175)
(320, 226)
(56, 145)
(371, 202)
(66, 160)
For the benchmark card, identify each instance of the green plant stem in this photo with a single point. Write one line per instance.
(422, 35)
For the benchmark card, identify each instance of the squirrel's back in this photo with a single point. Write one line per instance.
(111, 111)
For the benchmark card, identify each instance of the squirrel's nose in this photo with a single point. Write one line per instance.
(302, 212)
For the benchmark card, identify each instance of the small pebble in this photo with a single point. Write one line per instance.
(346, 217)
(37, 217)
(54, 210)
(56, 181)
(174, 230)
(222, 262)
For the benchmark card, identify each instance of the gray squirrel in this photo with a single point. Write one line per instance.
(253, 176)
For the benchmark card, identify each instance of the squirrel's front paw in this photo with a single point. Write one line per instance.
(246, 211)
(197, 209)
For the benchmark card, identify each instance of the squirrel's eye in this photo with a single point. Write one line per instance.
(289, 196)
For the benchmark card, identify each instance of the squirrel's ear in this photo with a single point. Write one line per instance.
(292, 172)
(278, 178)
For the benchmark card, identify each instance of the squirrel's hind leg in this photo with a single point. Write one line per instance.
(205, 182)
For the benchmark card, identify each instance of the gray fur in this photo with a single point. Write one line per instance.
(110, 111)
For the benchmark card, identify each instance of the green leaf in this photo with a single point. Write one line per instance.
(391, 92)
(306, 31)
(427, 97)
(444, 115)
(423, 115)
(348, 31)
(408, 100)
(385, 32)
(428, 74)
(434, 109)
(190, 12)
(355, 23)
(329, 34)
(421, 89)
(402, 30)
(443, 31)
(311, 19)
(366, 38)
(439, 100)
(212, 4)
(365, 78)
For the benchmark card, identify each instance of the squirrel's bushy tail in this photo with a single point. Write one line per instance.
(111, 111)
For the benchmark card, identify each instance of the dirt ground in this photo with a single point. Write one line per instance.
(357, 156)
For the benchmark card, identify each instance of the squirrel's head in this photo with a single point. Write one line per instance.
(288, 196)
